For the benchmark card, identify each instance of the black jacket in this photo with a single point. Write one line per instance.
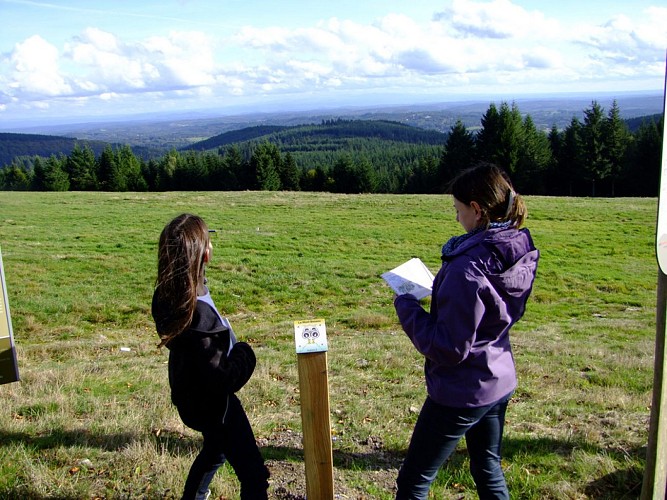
(201, 373)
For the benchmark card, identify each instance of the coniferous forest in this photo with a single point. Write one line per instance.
(599, 155)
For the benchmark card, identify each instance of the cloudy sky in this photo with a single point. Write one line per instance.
(70, 59)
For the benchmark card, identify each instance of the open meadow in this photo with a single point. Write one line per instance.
(91, 416)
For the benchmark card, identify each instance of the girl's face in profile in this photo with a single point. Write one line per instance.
(467, 215)
(209, 251)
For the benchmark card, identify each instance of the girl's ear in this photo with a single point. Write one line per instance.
(207, 254)
(478, 210)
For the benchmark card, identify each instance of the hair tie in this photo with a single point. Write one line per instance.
(510, 202)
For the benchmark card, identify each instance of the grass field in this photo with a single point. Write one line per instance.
(89, 420)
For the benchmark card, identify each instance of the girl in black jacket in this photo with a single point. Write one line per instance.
(207, 365)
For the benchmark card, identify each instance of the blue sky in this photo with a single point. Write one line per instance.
(91, 60)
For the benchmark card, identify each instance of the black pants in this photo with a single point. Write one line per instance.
(233, 441)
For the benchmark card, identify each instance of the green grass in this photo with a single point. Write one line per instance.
(88, 420)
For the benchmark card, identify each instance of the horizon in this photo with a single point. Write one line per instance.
(280, 108)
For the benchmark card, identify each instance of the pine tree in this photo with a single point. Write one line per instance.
(265, 163)
(236, 172)
(167, 167)
(501, 135)
(366, 179)
(616, 139)
(597, 166)
(645, 160)
(289, 173)
(343, 174)
(81, 168)
(487, 139)
(458, 154)
(510, 139)
(55, 177)
(571, 158)
(108, 176)
(535, 158)
(38, 175)
(15, 177)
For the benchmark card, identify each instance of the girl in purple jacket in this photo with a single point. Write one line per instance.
(480, 291)
(207, 365)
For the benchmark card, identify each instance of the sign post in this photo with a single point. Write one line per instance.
(9, 371)
(311, 348)
(655, 473)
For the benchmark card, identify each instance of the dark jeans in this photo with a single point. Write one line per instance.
(234, 441)
(437, 432)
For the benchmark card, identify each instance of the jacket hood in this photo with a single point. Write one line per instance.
(506, 256)
(205, 321)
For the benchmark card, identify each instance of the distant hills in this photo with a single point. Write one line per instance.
(327, 135)
(28, 145)
(235, 136)
(17, 145)
(316, 130)
(164, 132)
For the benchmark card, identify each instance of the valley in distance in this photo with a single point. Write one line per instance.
(177, 130)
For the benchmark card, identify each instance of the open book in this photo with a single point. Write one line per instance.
(411, 277)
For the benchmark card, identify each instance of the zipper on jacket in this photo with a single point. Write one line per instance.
(224, 415)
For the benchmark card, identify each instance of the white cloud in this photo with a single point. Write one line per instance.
(35, 69)
(498, 19)
(654, 32)
(107, 64)
(471, 44)
(626, 47)
(183, 59)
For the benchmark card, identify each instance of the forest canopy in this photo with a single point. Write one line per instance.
(599, 155)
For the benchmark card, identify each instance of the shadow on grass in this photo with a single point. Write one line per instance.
(67, 438)
(622, 484)
(371, 461)
(172, 442)
(619, 485)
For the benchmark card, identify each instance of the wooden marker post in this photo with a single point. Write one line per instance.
(655, 473)
(311, 348)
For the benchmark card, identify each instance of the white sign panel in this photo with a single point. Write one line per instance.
(661, 233)
(310, 336)
(9, 371)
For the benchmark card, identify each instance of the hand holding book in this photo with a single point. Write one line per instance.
(411, 277)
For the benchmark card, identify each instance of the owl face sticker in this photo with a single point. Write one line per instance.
(310, 336)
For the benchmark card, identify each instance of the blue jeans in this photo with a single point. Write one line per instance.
(234, 441)
(437, 432)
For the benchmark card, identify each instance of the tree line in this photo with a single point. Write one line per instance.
(595, 156)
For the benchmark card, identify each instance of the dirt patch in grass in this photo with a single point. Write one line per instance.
(284, 458)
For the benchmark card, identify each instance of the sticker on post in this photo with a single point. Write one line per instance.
(310, 336)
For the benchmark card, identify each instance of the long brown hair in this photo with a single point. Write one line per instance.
(492, 189)
(181, 252)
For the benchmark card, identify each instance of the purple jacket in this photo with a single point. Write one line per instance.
(479, 293)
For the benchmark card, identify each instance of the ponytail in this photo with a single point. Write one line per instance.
(492, 189)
